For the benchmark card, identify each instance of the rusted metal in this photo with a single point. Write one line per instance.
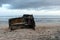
(26, 21)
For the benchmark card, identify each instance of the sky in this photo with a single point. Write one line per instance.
(35, 7)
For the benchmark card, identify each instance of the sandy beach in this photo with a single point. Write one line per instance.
(42, 31)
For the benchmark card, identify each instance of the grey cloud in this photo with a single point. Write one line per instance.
(21, 4)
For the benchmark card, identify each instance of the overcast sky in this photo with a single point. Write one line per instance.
(35, 7)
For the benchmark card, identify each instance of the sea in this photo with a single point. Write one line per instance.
(38, 19)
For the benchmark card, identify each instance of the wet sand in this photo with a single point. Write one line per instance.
(42, 31)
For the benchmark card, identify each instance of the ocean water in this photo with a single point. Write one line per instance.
(37, 18)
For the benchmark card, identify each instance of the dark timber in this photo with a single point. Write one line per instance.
(26, 21)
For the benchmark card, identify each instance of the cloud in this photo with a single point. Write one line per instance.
(23, 4)
(16, 12)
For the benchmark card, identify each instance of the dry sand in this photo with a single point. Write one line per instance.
(41, 32)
